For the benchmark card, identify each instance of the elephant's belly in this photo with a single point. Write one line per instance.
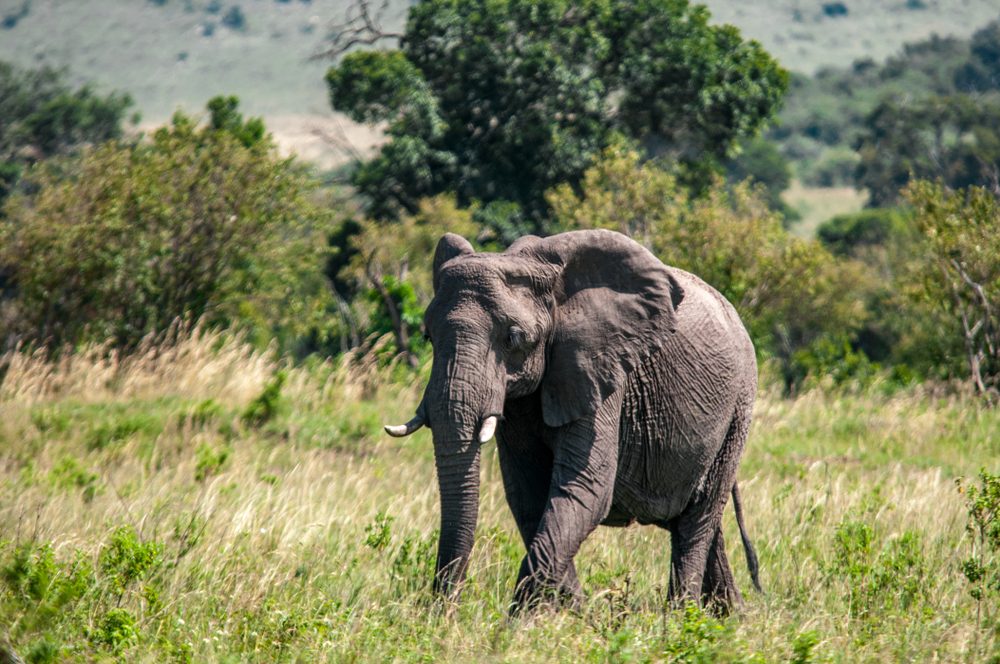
(672, 429)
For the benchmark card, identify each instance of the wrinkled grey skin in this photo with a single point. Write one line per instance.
(623, 389)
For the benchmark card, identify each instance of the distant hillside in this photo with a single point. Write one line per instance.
(171, 53)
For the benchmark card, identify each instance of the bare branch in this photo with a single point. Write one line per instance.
(360, 27)
(399, 326)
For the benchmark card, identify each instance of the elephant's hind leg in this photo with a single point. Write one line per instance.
(718, 588)
(699, 568)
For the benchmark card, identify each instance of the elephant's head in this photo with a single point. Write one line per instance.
(568, 315)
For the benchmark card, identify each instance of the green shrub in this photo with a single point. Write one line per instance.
(846, 234)
(266, 406)
(378, 534)
(127, 560)
(982, 567)
(203, 223)
(878, 582)
(69, 474)
(235, 19)
(209, 461)
(116, 630)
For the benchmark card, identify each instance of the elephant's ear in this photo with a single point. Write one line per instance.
(615, 306)
(449, 246)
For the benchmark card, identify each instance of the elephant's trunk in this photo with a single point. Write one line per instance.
(458, 480)
(463, 399)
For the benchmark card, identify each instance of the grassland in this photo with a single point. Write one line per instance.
(202, 502)
(818, 204)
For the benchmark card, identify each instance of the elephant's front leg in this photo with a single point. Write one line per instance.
(585, 458)
(526, 466)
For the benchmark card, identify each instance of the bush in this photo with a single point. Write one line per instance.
(198, 223)
(234, 19)
(389, 266)
(849, 234)
(791, 293)
(43, 116)
(957, 272)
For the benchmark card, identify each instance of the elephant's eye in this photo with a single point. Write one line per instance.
(515, 338)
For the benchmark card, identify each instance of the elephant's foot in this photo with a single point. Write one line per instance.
(718, 588)
(538, 590)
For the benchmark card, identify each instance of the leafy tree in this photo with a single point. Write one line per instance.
(762, 164)
(392, 270)
(982, 72)
(43, 116)
(500, 100)
(794, 297)
(125, 239)
(954, 138)
(960, 266)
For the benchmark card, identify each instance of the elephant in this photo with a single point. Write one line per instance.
(620, 391)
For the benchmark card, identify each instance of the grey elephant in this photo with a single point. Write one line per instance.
(620, 391)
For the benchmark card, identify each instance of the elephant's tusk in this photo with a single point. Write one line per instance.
(489, 428)
(400, 430)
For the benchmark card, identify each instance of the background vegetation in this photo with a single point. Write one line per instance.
(200, 337)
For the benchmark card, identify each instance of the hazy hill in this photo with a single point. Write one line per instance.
(171, 53)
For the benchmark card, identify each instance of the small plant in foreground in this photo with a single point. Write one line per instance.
(378, 534)
(982, 567)
(127, 559)
(802, 647)
(267, 404)
(117, 630)
(209, 461)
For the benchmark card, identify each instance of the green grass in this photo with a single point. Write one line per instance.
(819, 204)
(195, 533)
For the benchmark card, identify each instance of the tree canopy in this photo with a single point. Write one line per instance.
(498, 101)
(42, 115)
(954, 138)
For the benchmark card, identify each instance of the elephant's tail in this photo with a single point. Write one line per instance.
(752, 563)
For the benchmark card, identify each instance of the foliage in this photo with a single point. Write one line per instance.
(891, 579)
(498, 101)
(266, 406)
(855, 234)
(203, 222)
(790, 293)
(44, 116)
(960, 267)
(982, 72)
(235, 19)
(126, 559)
(982, 567)
(389, 264)
(762, 164)
(827, 115)
(952, 138)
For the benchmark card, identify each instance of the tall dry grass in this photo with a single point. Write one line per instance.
(310, 536)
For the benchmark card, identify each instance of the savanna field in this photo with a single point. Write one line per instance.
(201, 501)
(206, 320)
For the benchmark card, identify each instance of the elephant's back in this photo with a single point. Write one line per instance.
(708, 310)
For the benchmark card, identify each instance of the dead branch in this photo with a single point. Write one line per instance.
(360, 27)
